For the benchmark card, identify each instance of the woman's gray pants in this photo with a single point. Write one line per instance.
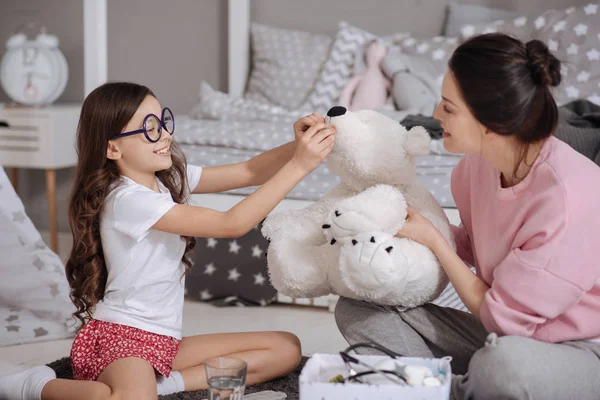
(486, 366)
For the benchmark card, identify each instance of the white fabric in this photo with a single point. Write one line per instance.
(26, 384)
(34, 294)
(173, 384)
(145, 286)
(344, 244)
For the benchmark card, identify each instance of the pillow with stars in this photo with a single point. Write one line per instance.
(572, 34)
(34, 294)
(231, 271)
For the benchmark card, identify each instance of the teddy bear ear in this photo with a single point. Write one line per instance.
(418, 141)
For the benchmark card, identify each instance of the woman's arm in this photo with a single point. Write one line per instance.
(464, 248)
(253, 172)
(470, 288)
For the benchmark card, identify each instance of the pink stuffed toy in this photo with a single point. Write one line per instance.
(369, 89)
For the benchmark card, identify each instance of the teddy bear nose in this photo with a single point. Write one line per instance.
(336, 111)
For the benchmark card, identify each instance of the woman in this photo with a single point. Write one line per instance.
(528, 205)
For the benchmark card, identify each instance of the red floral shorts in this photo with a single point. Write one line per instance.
(100, 343)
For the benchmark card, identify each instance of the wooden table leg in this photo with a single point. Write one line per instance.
(14, 178)
(51, 187)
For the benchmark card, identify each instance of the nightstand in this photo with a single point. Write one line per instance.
(41, 138)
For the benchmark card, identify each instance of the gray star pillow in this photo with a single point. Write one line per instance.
(34, 295)
(285, 64)
(231, 271)
(573, 35)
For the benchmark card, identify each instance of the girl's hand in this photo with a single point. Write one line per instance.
(419, 229)
(313, 146)
(301, 125)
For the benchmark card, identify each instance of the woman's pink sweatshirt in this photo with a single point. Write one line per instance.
(536, 244)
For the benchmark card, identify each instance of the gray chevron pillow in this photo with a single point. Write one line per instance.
(339, 67)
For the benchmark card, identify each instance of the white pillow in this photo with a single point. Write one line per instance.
(34, 294)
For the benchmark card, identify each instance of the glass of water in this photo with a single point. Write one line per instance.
(226, 378)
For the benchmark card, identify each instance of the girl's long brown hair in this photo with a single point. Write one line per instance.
(105, 112)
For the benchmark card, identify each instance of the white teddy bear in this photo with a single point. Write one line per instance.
(344, 243)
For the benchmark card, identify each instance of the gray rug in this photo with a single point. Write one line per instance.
(287, 384)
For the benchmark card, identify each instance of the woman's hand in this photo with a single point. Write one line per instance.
(302, 125)
(419, 229)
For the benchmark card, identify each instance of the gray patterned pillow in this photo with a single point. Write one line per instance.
(436, 50)
(573, 35)
(346, 59)
(34, 294)
(521, 27)
(460, 14)
(231, 272)
(339, 67)
(286, 64)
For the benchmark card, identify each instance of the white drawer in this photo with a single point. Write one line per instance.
(24, 142)
(42, 138)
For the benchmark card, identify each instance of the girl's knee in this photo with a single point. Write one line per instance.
(131, 394)
(288, 345)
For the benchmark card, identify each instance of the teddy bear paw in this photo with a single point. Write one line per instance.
(344, 225)
(369, 264)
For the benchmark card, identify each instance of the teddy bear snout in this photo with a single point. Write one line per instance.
(336, 111)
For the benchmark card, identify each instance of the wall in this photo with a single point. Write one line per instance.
(169, 46)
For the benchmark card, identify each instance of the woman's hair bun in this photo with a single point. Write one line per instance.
(545, 68)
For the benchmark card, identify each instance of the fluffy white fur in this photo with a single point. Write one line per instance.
(345, 243)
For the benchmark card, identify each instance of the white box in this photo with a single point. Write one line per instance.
(320, 368)
(43, 138)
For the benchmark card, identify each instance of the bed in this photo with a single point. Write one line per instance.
(232, 127)
(276, 75)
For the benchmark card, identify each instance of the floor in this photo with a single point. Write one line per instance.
(314, 326)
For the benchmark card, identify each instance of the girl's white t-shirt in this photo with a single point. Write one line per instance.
(145, 285)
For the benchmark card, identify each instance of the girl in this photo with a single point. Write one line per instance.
(528, 205)
(131, 230)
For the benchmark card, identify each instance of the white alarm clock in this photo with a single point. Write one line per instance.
(33, 72)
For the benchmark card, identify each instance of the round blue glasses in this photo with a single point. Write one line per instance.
(153, 126)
